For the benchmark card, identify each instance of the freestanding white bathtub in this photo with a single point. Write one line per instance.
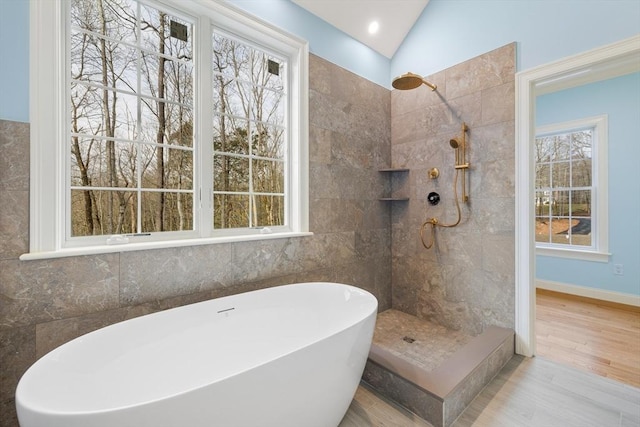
(286, 356)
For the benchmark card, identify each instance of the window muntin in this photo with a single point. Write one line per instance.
(131, 108)
(51, 195)
(249, 136)
(571, 187)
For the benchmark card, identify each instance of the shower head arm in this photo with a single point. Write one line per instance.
(431, 85)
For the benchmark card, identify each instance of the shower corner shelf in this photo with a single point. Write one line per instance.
(392, 170)
(393, 198)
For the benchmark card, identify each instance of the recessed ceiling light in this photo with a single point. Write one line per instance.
(373, 27)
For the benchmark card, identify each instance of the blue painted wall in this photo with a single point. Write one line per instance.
(14, 60)
(619, 98)
(449, 32)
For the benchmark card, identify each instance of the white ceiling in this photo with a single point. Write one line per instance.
(396, 17)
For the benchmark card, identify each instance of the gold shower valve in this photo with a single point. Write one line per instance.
(434, 173)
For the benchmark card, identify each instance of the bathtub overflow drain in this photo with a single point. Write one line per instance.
(408, 339)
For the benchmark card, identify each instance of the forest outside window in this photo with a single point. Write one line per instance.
(570, 187)
(164, 121)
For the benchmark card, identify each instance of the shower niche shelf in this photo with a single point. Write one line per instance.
(395, 195)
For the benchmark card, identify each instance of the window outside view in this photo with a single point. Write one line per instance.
(132, 120)
(248, 140)
(563, 188)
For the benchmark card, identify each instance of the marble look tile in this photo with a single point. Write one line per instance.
(14, 223)
(407, 127)
(360, 151)
(373, 244)
(344, 182)
(328, 113)
(336, 248)
(485, 71)
(496, 178)
(38, 291)
(162, 273)
(494, 215)
(320, 74)
(266, 259)
(335, 215)
(320, 141)
(407, 394)
(14, 161)
(366, 122)
(497, 252)
(377, 214)
(322, 182)
(488, 142)
(347, 86)
(8, 416)
(359, 273)
(17, 353)
(498, 104)
(495, 302)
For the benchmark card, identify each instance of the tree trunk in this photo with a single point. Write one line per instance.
(160, 184)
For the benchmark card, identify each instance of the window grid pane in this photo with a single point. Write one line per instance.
(564, 191)
(250, 155)
(132, 119)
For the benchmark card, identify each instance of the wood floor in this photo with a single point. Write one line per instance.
(592, 335)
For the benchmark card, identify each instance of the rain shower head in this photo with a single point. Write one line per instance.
(410, 81)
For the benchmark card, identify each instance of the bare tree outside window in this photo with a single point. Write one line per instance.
(564, 188)
(170, 122)
(249, 147)
(131, 133)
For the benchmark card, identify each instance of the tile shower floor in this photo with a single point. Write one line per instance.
(406, 337)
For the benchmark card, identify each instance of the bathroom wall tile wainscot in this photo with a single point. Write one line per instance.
(466, 280)
(44, 304)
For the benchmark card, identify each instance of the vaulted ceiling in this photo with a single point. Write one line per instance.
(395, 18)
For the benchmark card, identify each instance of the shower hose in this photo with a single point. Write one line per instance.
(433, 222)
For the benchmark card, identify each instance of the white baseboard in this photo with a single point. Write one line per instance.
(582, 291)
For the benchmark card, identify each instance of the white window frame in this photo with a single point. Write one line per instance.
(600, 198)
(48, 118)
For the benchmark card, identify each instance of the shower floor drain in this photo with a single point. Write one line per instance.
(408, 339)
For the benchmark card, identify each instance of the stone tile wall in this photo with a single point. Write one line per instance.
(46, 303)
(466, 281)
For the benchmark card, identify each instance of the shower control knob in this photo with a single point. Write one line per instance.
(433, 198)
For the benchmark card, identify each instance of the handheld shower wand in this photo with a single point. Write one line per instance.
(460, 146)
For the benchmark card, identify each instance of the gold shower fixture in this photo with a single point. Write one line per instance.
(460, 145)
(461, 164)
(410, 81)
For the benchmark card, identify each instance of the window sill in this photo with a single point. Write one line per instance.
(574, 254)
(141, 246)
